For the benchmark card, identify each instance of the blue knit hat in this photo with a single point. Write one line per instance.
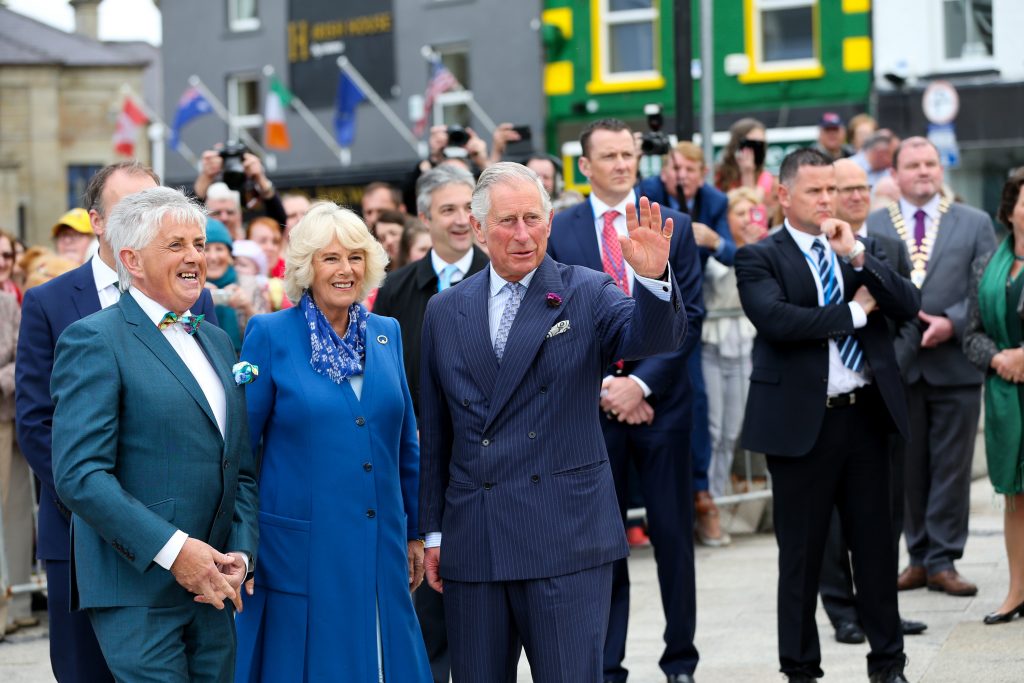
(217, 232)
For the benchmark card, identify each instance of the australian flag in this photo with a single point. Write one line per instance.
(191, 106)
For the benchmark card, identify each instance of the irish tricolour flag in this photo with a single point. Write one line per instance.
(275, 131)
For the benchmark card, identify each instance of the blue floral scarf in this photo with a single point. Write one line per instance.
(335, 357)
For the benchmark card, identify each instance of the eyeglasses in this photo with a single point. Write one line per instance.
(7, 255)
(847, 191)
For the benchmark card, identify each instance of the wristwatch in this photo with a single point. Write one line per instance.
(858, 249)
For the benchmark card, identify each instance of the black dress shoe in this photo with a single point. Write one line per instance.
(912, 628)
(889, 677)
(850, 633)
(997, 618)
(680, 678)
(801, 679)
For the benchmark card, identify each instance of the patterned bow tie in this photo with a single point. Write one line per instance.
(189, 322)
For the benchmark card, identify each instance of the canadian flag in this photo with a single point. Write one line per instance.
(127, 129)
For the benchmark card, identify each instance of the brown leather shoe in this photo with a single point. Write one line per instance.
(949, 581)
(707, 525)
(910, 578)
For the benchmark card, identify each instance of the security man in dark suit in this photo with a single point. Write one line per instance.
(442, 199)
(825, 392)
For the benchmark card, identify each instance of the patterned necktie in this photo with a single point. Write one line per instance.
(507, 316)
(189, 322)
(611, 251)
(919, 216)
(444, 279)
(849, 349)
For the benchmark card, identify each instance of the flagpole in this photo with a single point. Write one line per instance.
(345, 65)
(225, 116)
(311, 120)
(430, 56)
(159, 143)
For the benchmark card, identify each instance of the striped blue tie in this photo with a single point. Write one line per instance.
(849, 349)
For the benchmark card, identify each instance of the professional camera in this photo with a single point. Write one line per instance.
(233, 173)
(654, 142)
(457, 136)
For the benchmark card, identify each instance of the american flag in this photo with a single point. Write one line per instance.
(441, 81)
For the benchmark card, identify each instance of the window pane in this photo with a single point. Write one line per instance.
(787, 34)
(246, 100)
(619, 5)
(244, 9)
(968, 28)
(632, 47)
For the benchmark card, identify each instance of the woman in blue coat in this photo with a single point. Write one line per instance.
(339, 544)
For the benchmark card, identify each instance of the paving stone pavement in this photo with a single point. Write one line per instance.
(736, 619)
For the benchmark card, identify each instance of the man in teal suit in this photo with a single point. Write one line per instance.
(151, 454)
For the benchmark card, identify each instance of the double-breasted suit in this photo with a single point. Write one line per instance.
(514, 468)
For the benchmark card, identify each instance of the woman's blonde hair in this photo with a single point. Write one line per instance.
(739, 194)
(317, 229)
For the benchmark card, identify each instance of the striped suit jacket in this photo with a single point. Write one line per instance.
(514, 470)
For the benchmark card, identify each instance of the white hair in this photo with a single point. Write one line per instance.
(436, 178)
(137, 218)
(504, 173)
(222, 191)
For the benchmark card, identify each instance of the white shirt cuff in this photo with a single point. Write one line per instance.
(860, 318)
(169, 553)
(433, 540)
(643, 385)
(659, 288)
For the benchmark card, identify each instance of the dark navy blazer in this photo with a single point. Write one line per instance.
(45, 313)
(574, 240)
(514, 471)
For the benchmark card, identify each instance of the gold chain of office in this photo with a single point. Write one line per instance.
(919, 253)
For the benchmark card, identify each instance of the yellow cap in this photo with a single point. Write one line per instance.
(77, 220)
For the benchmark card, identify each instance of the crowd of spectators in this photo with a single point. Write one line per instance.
(427, 218)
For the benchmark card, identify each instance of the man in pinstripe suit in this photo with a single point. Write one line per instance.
(515, 485)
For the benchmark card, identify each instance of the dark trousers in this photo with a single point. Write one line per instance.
(187, 643)
(560, 621)
(75, 654)
(700, 434)
(943, 426)
(430, 612)
(836, 574)
(663, 466)
(847, 470)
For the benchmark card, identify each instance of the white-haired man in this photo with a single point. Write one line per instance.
(151, 454)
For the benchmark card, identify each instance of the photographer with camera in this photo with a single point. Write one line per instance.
(448, 144)
(242, 172)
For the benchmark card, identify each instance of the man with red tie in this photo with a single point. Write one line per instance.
(646, 404)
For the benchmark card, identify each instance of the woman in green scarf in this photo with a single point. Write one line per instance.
(993, 342)
(236, 296)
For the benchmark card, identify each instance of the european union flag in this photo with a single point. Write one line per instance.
(192, 105)
(349, 95)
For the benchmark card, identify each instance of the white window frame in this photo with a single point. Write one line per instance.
(239, 24)
(242, 121)
(608, 19)
(954, 64)
(759, 63)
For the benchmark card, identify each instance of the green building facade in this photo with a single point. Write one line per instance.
(784, 62)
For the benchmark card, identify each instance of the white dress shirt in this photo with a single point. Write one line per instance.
(841, 379)
(463, 265)
(620, 227)
(194, 358)
(106, 282)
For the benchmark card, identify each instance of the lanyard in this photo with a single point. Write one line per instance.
(832, 281)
